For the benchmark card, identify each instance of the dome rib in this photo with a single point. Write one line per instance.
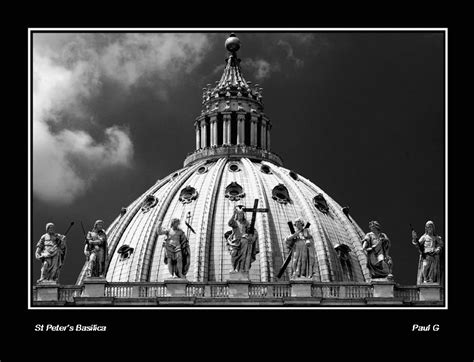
(136, 226)
(123, 221)
(335, 268)
(207, 221)
(280, 215)
(150, 244)
(315, 225)
(350, 228)
(266, 272)
(157, 261)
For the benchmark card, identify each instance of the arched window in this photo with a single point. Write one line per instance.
(280, 194)
(234, 192)
(343, 252)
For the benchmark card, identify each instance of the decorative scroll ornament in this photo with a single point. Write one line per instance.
(188, 194)
(125, 251)
(149, 203)
(280, 194)
(234, 192)
(321, 204)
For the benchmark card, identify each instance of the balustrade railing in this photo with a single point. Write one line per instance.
(195, 290)
(341, 290)
(219, 290)
(281, 290)
(335, 290)
(410, 293)
(68, 292)
(258, 290)
(151, 290)
(118, 290)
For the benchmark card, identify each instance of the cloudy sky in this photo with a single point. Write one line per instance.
(360, 114)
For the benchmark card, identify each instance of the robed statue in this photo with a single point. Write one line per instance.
(51, 251)
(376, 244)
(177, 252)
(430, 246)
(301, 245)
(96, 250)
(242, 242)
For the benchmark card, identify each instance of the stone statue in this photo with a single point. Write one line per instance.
(243, 247)
(376, 244)
(303, 258)
(176, 244)
(430, 246)
(51, 251)
(96, 250)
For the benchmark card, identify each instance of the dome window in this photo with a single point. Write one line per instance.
(265, 169)
(321, 204)
(294, 175)
(202, 169)
(175, 175)
(280, 194)
(125, 251)
(234, 167)
(149, 203)
(234, 192)
(188, 194)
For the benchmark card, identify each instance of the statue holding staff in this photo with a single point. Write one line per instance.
(430, 246)
(51, 251)
(96, 250)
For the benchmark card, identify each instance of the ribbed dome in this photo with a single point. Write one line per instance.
(210, 212)
(232, 165)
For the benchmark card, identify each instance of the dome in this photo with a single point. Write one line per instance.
(232, 165)
(213, 204)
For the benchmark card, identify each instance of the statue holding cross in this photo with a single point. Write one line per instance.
(243, 240)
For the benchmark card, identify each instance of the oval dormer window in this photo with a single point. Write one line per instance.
(234, 167)
(321, 204)
(149, 203)
(294, 175)
(175, 176)
(188, 194)
(234, 192)
(202, 169)
(265, 169)
(280, 194)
